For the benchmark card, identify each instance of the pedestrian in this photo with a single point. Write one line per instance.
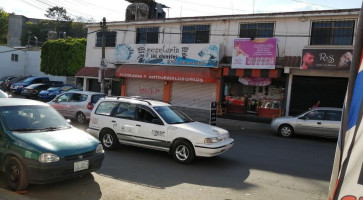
(316, 104)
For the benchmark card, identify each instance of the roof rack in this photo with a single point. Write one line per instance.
(134, 97)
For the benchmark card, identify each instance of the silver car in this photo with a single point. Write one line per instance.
(323, 121)
(76, 104)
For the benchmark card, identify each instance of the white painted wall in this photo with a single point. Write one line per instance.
(28, 64)
(291, 30)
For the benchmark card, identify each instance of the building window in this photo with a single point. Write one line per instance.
(256, 30)
(14, 57)
(195, 34)
(332, 32)
(147, 35)
(110, 39)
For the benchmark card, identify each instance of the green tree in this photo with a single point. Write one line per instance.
(3, 26)
(59, 17)
(63, 57)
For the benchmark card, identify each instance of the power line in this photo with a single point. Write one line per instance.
(313, 4)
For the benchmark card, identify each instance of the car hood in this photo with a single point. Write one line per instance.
(61, 142)
(201, 128)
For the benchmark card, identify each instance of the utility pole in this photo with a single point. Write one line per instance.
(103, 63)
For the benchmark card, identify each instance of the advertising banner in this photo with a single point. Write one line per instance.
(259, 53)
(195, 55)
(346, 181)
(339, 59)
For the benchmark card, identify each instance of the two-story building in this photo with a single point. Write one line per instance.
(193, 61)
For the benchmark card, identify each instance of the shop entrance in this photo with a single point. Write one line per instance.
(263, 101)
(306, 91)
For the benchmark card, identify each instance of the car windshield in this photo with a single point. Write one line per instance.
(3, 94)
(27, 80)
(32, 118)
(53, 88)
(172, 115)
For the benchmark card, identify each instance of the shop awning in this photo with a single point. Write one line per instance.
(93, 72)
(263, 73)
(169, 73)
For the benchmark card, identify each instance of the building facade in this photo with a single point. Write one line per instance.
(193, 61)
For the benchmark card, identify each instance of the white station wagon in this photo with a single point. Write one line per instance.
(155, 125)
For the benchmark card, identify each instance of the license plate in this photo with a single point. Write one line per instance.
(81, 165)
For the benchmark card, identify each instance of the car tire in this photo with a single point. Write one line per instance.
(15, 174)
(183, 152)
(81, 118)
(109, 140)
(286, 130)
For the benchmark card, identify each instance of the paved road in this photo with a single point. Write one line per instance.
(259, 166)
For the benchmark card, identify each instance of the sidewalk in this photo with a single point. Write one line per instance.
(6, 194)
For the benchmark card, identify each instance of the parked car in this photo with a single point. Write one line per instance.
(18, 87)
(4, 94)
(76, 104)
(50, 93)
(323, 121)
(32, 91)
(5, 86)
(5, 78)
(155, 125)
(39, 146)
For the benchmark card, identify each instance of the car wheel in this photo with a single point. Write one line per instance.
(183, 152)
(16, 175)
(81, 118)
(286, 130)
(109, 140)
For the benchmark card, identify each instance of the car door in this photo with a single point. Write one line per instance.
(332, 122)
(76, 103)
(123, 122)
(150, 130)
(310, 123)
(60, 103)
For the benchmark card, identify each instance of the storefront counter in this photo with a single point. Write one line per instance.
(270, 109)
(235, 104)
(269, 113)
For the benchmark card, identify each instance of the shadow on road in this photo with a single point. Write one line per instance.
(159, 170)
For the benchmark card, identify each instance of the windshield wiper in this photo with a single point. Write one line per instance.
(24, 129)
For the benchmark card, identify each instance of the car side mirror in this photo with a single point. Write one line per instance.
(303, 117)
(157, 121)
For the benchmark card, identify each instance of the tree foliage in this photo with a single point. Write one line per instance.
(58, 14)
(3, 26)
(40, 30)
(63, 57)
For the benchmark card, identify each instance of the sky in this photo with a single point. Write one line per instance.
(114, 10)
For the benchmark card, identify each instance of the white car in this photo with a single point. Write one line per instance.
(155, 125)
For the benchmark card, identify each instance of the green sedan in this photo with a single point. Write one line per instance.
(37, 145)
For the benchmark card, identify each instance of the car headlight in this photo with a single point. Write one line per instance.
(48, 158)
(99, 149)
(211, 140)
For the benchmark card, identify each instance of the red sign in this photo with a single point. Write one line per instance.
(199, 75)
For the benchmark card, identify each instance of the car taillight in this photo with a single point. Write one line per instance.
(90, 106)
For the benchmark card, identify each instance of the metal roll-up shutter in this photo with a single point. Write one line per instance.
(193, 95)
(306, 91)
(146, 88)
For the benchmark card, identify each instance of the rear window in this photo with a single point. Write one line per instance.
(96, 97)
(105, 108)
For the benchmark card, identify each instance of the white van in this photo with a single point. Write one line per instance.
(156, 125)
